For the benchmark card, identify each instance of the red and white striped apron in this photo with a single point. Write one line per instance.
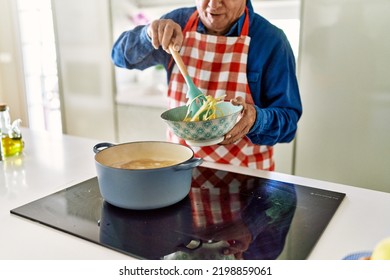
(217, 65)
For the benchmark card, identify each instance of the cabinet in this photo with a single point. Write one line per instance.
(83, 35)
(138, 111)
(344, 133)
(140, 123)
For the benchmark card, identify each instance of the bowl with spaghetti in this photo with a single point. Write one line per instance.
(207, 126)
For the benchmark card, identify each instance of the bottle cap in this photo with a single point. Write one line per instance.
(3, 107)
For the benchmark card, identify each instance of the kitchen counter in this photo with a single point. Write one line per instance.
(51, 163)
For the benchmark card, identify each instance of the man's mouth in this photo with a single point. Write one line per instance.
(214, 15)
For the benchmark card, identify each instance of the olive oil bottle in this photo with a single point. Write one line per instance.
(11, 137)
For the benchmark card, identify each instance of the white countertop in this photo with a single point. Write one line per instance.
(51, 163)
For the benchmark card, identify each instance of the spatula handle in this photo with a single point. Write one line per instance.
(179, 61)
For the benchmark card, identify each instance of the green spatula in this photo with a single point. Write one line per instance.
(195, 96)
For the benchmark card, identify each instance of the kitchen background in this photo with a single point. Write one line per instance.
(56, 75)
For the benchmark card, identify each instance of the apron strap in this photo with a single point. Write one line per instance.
(192, 23)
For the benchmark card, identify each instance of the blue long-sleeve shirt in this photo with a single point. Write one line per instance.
(270, 71)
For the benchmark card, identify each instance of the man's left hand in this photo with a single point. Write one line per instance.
(243, 126)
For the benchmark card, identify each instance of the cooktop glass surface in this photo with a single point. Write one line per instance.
(225, 216)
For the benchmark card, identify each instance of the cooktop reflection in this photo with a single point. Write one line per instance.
(225, 216)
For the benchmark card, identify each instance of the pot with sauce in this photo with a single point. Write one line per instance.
(144, 175)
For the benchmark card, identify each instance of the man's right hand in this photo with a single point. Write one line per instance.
(164, 32)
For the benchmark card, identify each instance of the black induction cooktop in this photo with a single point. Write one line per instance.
(225, 216)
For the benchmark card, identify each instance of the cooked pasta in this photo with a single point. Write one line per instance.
(208, 111)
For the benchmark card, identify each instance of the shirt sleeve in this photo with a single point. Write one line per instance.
(134, 50)
(274, 86)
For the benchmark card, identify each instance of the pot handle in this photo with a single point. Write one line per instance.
(98, 147)
(191, 163)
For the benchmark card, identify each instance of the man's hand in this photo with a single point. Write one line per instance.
(164, 32)
(235, 233)
(243, 126)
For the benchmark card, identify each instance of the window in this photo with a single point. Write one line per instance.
(40, 64)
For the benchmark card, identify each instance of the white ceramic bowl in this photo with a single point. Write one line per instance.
(202, 133)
